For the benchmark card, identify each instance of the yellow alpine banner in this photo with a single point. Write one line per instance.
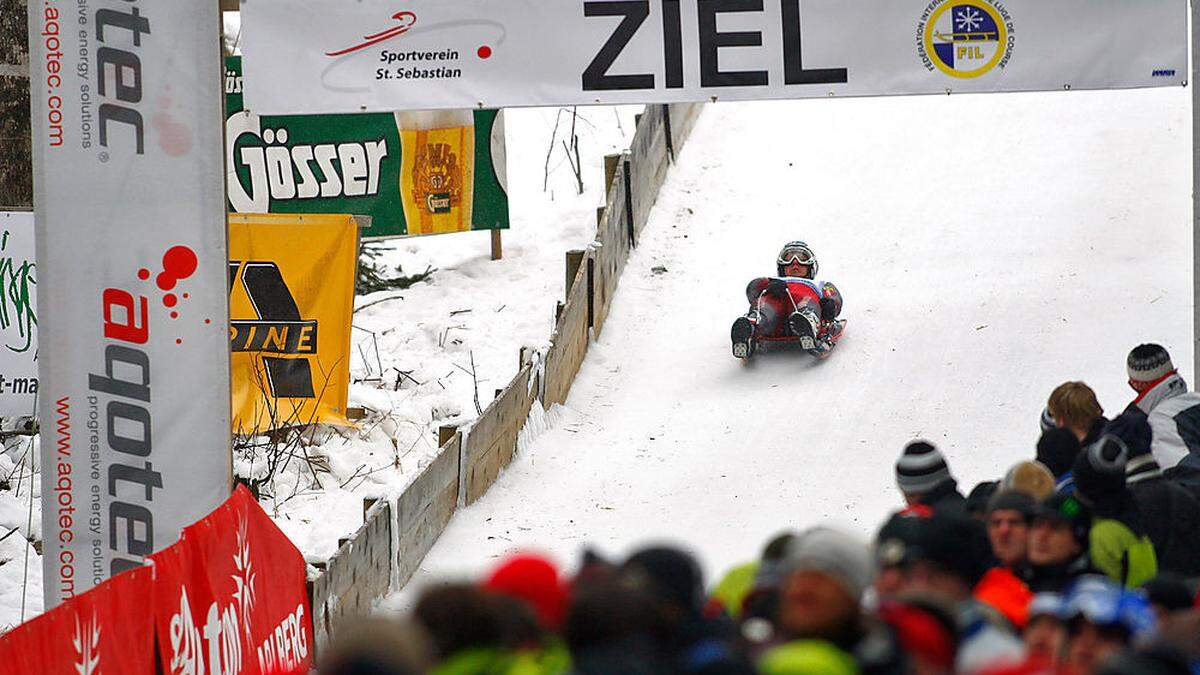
(291, 296)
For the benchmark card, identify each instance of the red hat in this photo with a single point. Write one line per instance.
(534, 580)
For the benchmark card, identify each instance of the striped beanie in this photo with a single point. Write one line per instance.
(920, 468)
(1148, 362)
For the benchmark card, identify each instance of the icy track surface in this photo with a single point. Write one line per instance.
(988, 247)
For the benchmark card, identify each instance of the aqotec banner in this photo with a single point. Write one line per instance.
(18, 316)
(230, 597)
(133, 310)
(291, 297)
(323, 56)
(412, 173)
(108, 630)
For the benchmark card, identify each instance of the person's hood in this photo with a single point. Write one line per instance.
(1171, 386)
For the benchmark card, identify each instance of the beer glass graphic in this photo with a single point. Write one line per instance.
(437, 175)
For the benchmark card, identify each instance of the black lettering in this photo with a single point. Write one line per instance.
(595, 76)
(132, 514)
(119, 410)
(793, 60)
(147, 478)
(116, 113)
(672, 44)
(132, 22)
(127, 73)
(712, 40)
(138, 388)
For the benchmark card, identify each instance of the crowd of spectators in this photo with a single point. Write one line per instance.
(1081, 560)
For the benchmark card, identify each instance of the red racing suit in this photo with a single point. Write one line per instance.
(773, 299)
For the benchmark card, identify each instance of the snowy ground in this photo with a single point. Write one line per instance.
(989, 248)
(470, 309)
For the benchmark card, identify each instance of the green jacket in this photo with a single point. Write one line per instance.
(550, 660)
(1123, 556)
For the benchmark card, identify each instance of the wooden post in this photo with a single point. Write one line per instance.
(342, 541)
(610, 169)
(497, 245)
(600, 216)
(574, 260)
(368, 502)
(445, 435)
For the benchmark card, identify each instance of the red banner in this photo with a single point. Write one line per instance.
(107, 630)
(230, 596)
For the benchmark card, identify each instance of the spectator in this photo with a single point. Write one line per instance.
(977, 500)
(1117, 542)
(752, 589)
(1074, 407)
(1030, 477)
(924, 479)
(379, 647)
(693, 643)
(1058, 545)
(467, 627)
(1045, 633)
(1173, 411)
(825, 573)
(613, 628)
(1170, 514)
(1103, 619)
(1008, 516)
(893, 546)
(949, 558)
(1168, 594)
(927, 632)
(1056, 450)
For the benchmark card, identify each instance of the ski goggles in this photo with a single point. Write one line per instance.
(795, 255)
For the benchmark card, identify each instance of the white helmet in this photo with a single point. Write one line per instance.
(796, 252)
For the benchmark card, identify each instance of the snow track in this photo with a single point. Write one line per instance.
(988, 247)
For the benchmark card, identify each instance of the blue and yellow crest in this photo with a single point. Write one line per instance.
(965, 38)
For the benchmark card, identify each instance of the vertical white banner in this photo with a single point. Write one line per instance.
(18, 316)
(131, 250)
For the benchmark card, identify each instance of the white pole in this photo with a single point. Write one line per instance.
(1195, 191)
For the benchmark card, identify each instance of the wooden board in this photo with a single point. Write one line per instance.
(355, 577)
(426, 507)
(683, 120)
(648, 162)
(492, 440)
(613, 251)
(569, 344)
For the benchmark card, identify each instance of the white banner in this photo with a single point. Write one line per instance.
(18, 316)
(321, 56)
(131, 250)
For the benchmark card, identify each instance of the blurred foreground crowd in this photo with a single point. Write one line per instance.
(1082, 561)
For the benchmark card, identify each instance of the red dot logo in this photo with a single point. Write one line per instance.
(485, 52)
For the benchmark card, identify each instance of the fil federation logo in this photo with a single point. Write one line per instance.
(965, 38)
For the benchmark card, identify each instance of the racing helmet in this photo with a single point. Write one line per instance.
(796, 251)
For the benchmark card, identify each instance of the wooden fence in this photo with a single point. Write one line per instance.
(373, 562)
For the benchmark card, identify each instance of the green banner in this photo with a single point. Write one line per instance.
(377, 165)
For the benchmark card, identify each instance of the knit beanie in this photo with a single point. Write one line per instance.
(957, 544)
(837, 554)
(1030, 477)
(920, 468)
(1012, 500)
(1057, 449)
(1148, 362)
(1067, 509)
(670, 574)
(1100, 470)
(533, 580)
(977, 501)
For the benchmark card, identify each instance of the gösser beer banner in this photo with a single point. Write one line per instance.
(413, 173)
(18, 316)
(133, 341)
(291, 296)
(324, 56)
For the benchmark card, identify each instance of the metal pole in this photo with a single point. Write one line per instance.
(1195, 9)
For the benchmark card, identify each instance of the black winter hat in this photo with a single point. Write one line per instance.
(1133, 428)
(897, 539)
(1100, 470)
(1057, 449)
(1064, 508)
(921, 468)
(957, 544)
(1170, 591)
(1148, 362)
(1012, 500)
(670, 574)
(977, 501)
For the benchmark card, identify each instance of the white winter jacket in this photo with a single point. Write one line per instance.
(1174, 415)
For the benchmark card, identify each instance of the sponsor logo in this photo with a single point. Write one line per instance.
(267, 166)
(278, 329)
(86, 642)
(1167, 72)
(965, 38)
(406, 20)
(437, 180)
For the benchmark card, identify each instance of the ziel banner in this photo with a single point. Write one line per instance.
(18, 316)
(291, 296)
(413, 173)
(319, 56)
(133, 314)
